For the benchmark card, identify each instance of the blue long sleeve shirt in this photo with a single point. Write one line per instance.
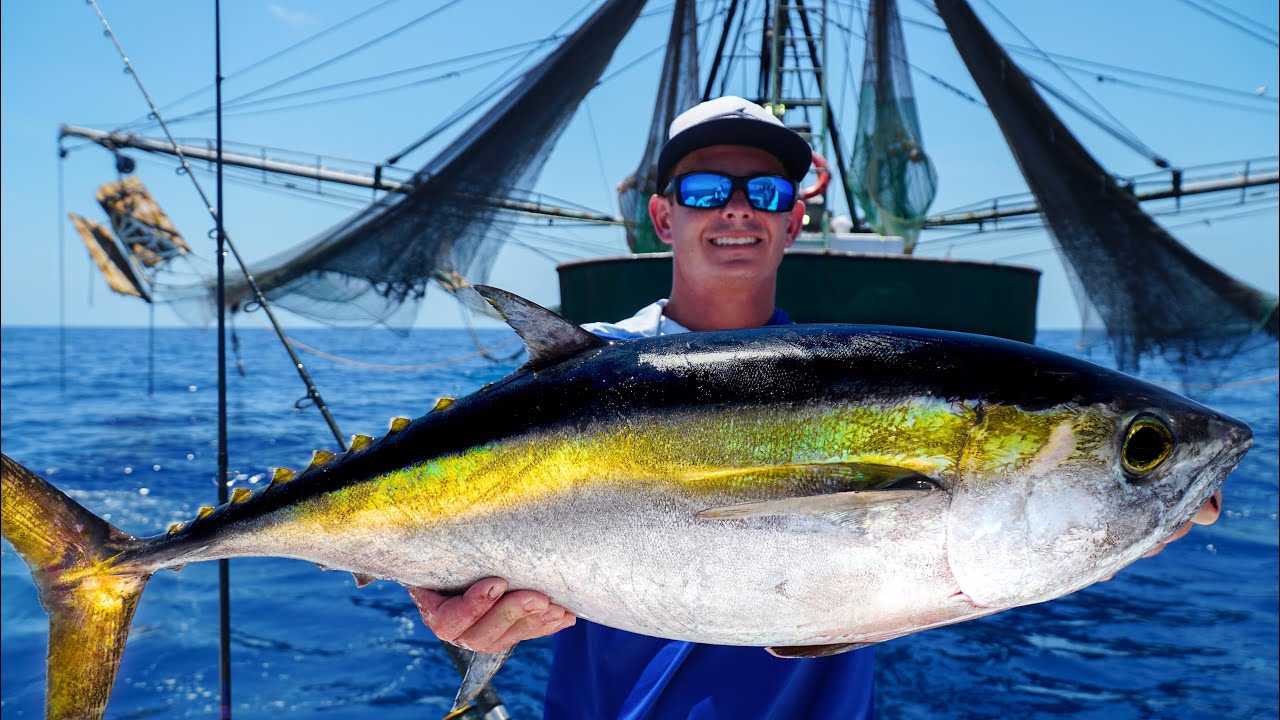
(598, 673)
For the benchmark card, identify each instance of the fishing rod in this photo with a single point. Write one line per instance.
(224, 566)
(488, 703)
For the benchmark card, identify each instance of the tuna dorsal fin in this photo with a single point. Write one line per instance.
(824, 488)
(813, 651)
(481, 667)
(548, 337)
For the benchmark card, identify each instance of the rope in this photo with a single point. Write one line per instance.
(482, 352)
(402, 368)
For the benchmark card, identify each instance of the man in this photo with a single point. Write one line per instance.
(728, 207)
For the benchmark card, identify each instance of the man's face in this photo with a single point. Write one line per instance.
(735, 245)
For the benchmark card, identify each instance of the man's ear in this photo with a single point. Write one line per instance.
(795, 223)
(660, 214)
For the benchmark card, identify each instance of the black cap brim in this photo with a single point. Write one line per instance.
(781, 142)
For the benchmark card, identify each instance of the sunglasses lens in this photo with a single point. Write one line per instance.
(705, 190)
(771, 193)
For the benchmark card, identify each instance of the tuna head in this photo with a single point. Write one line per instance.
(1050, 500)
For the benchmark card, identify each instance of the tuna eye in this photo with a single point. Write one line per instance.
(1147, 444)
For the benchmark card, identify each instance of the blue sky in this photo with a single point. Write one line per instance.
(59, 68)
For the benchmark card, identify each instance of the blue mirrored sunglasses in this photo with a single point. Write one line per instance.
(770, 193)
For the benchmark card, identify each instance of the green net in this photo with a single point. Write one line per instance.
(892, 177)
(677, 91)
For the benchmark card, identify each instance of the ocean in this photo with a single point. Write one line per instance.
(1191, 633)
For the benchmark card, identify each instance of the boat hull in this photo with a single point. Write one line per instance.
(826, 286)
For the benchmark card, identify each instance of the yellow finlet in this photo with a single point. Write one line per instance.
(239, 495)
(204, 512)
(175, 528)
(320, 457)
(400, 423)
(443, 403)
(359, 442)
(282, 475)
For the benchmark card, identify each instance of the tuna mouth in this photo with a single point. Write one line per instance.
(1215, 471)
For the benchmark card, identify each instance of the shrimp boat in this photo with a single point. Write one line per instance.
(868, 195)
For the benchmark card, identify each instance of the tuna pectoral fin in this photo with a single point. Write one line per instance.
(481, 668)
(824, 489)
(90, 604)
(813, 651)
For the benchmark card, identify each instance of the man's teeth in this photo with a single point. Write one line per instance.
(734, 241)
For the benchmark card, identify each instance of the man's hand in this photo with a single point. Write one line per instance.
(486, 618)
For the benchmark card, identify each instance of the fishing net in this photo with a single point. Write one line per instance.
(677, 92)
(447, 229)
(140, 223)
(1153, 294)
(892, 177)
(120, 274)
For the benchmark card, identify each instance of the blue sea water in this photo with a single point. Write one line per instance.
(1191, 633)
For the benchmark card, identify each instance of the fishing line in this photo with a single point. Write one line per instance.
(62, 268)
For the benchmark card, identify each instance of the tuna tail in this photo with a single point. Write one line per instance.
(90, 602)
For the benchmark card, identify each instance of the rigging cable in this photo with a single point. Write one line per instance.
(1068, 59)
(256, 64)
(733, 49)
(240, 106)
(937, 80)
(1228, 21)
(485, 94)
(719, 53)
(1119, 128)
(453, 74)
(1124, 136)
(348, 53)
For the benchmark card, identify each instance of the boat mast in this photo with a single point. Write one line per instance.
(797, 30)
